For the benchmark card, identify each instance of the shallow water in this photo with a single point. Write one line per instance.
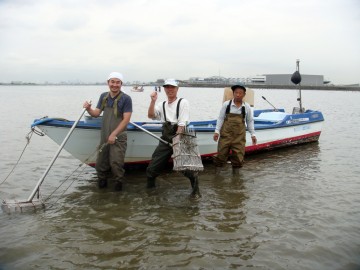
(295, 208)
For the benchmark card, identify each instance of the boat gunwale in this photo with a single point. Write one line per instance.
(289, 120)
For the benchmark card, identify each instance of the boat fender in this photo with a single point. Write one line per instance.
(296, 77)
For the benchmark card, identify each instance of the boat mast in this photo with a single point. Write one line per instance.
(299, 99)
(296, 79)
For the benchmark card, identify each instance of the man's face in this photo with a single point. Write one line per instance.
(239, 94)
(171, 91)
(114, 85)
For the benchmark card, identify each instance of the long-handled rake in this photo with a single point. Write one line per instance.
(31, 204)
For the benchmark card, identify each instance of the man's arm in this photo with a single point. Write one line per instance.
(219, 122)
(93, 112)
(250, 124)
(151, 110)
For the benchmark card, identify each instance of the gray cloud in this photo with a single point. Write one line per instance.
(154, 39)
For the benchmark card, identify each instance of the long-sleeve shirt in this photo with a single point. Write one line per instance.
(249, 119)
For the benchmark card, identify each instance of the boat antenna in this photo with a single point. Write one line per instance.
(276, 110)
(296, 79)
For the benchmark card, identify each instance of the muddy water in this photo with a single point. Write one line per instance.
(295, 208)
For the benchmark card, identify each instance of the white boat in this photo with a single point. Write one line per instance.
(137, 89)
(274, 129)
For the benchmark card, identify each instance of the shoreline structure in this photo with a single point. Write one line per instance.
(213, 85)
(285, 87)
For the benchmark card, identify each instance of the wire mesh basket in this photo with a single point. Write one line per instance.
(186, 154)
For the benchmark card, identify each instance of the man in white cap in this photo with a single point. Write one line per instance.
(175, 114)
(117, 107)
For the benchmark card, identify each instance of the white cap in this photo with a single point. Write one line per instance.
(170, 82)
(116, 75)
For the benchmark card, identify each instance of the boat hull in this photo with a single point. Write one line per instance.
(84, 141)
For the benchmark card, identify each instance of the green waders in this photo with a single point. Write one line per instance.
(163, 152)
(111, 159)
(161, 156)
(232, 137)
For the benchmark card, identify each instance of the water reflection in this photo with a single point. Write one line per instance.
(297, 161)
(136, 227)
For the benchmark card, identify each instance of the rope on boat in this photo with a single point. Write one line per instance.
(28, 138)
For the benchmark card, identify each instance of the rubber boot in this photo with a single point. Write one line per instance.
(218, 170)
(150, 182)
(195, 187)
(102, 183)
(236, 170)
(118, 186)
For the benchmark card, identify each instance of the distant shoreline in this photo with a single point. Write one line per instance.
(218, 85)
(285, 87)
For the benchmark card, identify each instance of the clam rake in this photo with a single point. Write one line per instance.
(32, 204)
(186, 155)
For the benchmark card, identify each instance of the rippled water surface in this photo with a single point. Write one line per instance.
(295, 208)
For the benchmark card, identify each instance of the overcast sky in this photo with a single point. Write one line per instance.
(65, 40)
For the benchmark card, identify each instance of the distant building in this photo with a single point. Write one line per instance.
(209, 80)
(266, 79)
(159, 82)
(17, 82)
(285, 79)
(258, 80)
(215, 79)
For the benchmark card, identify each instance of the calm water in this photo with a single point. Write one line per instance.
(296, 208)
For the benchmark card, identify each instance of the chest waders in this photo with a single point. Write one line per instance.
(232, 138)
(110, 161)
(163, 153)
(169, 129)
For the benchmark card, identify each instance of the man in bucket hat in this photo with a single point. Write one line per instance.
(231, 129)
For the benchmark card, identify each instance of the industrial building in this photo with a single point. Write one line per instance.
(285, 79)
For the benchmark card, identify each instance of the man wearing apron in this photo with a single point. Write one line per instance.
(231, 129)
(117, 108)
(175, 114)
